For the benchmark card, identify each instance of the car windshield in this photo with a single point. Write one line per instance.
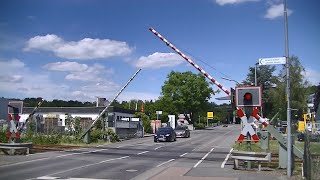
(163, 130)
(181, 128)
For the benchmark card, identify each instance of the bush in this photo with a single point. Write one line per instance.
(3, 136)
(199, 126)
(99, 134)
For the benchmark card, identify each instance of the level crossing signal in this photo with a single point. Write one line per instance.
(248, 96)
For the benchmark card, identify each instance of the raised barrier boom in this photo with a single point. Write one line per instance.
(189, 61)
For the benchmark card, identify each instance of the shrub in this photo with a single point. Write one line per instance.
(199, 126)
(3, 136)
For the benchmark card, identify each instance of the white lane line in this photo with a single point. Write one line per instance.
(158, 147)
(34, 160)
(165, 162)
(203, 158)
(79, 167)
(47, 177)
(183, 154)
(226, 159)
(142, 152)
(24, 162)
(82, 153)
(50, 177)
(194, 149)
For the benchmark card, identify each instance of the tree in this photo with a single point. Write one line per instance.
(145, 121)
(77, 127)
(298, 85)
(266, 80)
(184, 93)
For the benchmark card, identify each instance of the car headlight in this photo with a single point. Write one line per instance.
(167, 135)
(155, 135)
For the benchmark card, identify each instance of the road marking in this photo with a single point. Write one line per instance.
(183, 154)
(81, 153)
(142, 152)
(131, 170)
(158, 147)
(211, 141)
(226, 159)
(165, 162)
(203, 158)
(79, 167)
(50, 177)
(47, 177)
(24, 162)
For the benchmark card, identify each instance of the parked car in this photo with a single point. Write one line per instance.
(165, 134)
(182, 131)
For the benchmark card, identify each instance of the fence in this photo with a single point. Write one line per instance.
(311, 158)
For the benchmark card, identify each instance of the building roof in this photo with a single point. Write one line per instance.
(78, 110)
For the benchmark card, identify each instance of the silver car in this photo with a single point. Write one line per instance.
(182, 131)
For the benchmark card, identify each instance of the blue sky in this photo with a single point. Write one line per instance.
(80, 49)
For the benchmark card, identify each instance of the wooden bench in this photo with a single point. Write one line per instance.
(250, 156)
(12, 149)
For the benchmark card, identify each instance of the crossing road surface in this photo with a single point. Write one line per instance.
(205, 155)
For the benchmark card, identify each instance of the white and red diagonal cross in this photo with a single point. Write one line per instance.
(13, 128)
(247, 126)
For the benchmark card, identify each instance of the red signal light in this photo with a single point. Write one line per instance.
(248, 96)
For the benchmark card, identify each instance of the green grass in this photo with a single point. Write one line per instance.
(255, 147)
(314, 147)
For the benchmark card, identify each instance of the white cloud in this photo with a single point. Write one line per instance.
(127, 96)
(159, 60)
(18, 81)
(84, 49)
(276, 10)
(312, 76)
(66, 66)
(224, 2)
(80, 72)
(11, 78)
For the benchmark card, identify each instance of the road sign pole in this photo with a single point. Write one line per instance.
(289, 142)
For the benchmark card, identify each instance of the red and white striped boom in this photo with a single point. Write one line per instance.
(190, 61)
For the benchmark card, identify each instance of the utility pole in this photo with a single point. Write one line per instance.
(289, 141)
(255, 75)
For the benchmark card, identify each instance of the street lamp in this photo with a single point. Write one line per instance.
(230, 80)
(255, 74)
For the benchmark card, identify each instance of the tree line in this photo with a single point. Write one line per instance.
(187, 92)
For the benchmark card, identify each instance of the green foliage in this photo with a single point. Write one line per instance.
(3, 136)
(298, 86)
(145, 121)
(266, 80)
(31, 127)
(99, 134)
(98, 124)
(69, 123)
(77, 127)
(31, 102)
(199, 125)
(184, 93)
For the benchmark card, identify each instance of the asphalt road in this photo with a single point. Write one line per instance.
(202, 156)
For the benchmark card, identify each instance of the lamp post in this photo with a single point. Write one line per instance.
(289, 142)
(234, 115)
(230, 80)
(255, 74)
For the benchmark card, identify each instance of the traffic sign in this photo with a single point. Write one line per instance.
(272, 61)
(210, 115)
